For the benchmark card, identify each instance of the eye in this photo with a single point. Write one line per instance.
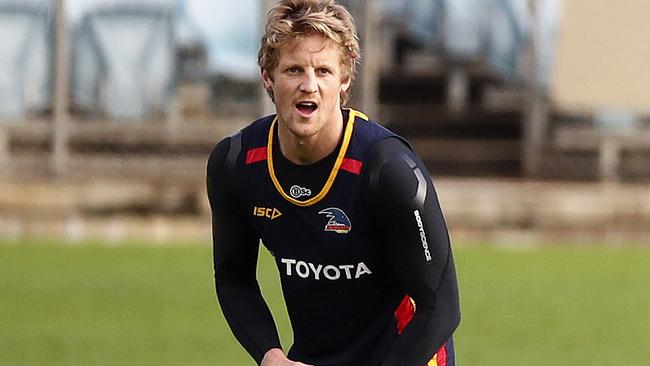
(324, 71)
(293, 70)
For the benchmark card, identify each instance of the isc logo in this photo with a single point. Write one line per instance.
(271, 213)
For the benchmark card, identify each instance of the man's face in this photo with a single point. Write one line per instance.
(307, 85)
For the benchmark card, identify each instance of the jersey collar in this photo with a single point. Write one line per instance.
(347, 135)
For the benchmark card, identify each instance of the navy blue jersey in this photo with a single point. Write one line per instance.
(324, 248)
(343, 297)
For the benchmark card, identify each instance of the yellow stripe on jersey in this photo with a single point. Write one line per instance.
(433, 361)
(347, 135)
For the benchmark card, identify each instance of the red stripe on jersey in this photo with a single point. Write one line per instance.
(351, 165)
(404, 313)
(441, 356)
(255, 155)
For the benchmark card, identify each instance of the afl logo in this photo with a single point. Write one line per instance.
(297, 191)
(338, 220)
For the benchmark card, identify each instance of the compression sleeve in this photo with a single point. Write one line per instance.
(404, 207)
(235, 251)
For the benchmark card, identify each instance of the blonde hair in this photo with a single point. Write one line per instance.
(290, 19)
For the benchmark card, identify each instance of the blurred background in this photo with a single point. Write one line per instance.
(521, 109)
(533, 117)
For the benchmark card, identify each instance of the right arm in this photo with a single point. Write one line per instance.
(235, 249)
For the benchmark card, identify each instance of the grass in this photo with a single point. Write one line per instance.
(144, 305)
(555, 306)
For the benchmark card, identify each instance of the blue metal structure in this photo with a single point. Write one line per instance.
(26, 58)
(463, 31)
(547, 18)
(508, 28)
(124, 61)
(463, 25)
(232, 31)
(424, 18)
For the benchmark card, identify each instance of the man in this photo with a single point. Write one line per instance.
(344, 205)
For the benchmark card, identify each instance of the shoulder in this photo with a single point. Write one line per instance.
(368, 134)
(395, 172)
(390, 156)
(258, 128)
(228, 150)
(367, 129)
(389, 148)
(217, 158)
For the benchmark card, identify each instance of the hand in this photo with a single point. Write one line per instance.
(275, 357)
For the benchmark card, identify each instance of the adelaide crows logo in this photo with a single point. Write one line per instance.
(338, 220)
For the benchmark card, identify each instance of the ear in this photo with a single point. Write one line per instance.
(345, 85)
(267, 80)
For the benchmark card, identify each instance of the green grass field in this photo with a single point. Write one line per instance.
(144, 305)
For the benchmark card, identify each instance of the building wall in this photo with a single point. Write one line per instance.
(603, 55)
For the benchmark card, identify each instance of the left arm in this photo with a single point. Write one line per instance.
(405, 208)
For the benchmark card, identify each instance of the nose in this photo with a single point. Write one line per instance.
(308, 84)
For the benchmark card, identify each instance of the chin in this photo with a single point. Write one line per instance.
(303, 132)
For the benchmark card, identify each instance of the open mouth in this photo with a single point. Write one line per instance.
(306, 108)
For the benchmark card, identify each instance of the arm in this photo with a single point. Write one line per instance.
(235, 249)
(401, 195)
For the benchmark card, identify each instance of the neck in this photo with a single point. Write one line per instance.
(304, 150)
